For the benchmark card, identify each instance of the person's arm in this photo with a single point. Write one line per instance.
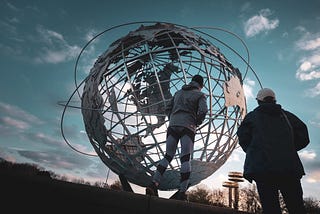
(169, 107)
(202, 109)
(244, 133)
(300, 130)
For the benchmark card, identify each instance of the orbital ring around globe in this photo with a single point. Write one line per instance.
(125, 94)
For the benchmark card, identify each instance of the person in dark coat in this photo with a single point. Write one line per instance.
(271, 136)
(186, 111)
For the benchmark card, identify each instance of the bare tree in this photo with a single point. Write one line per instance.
(200, 195)
(218, 198)
(116, 185)
(100, 184)
(312, 205)
(249, 200)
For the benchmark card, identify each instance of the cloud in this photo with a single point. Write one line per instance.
(18, 124)
(307, 155)
(42, 46)
(89, 55)
(54, 154)
(53, 142)
(248, 88)
(260, 23)
(90, 34)
(237, 155)
(40, 137)
(308, 43)
(69, 164)
(313, 122)
(6, 156)
(24, 44)
(313, 177)
(309, 68)
(307, 74)
(8, 28)
(300, 29)
(56, 159)
(285, 35)
(18, 114)
(245, 7)
(55, 49)
(309, 64)
(12, 7)
(313, 92)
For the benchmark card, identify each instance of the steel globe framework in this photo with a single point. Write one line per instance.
(126, 92)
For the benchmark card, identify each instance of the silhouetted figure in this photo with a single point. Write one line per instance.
(271, 137)
(186, 110)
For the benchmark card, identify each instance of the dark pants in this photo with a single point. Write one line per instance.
(291, 191)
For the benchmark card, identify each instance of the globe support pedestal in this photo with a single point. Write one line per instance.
(174, 196)
(124, 183)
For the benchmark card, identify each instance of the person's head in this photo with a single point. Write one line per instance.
(266, 95)
(197, 78)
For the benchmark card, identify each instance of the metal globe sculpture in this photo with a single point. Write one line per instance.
(127, 90)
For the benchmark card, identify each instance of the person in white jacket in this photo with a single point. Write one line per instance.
(186, 111)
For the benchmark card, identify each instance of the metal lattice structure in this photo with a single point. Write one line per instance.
(128, 87)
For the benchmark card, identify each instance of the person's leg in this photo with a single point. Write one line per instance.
(292, 193)
(171, 146)
(187, 141)
(185, 171)
(269, 197)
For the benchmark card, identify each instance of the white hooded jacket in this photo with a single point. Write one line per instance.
(188, 107)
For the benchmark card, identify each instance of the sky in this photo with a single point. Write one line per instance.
(41, 40)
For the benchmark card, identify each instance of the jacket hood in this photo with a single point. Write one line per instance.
(269, 108)
(192, 85)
